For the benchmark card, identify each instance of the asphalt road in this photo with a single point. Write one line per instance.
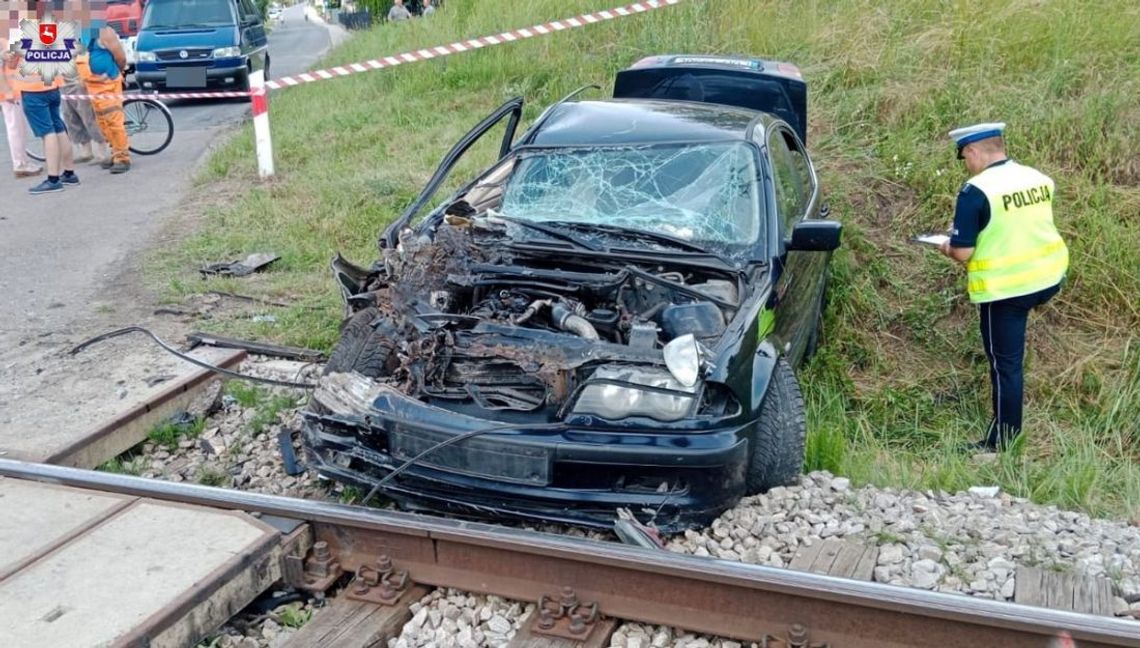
(55, 248)
(68, 263)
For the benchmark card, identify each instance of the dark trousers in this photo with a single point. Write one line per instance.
(1003, 336)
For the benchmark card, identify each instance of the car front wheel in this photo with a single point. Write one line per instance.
(778, 445)
(365, 346)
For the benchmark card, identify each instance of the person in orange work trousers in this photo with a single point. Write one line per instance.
(79, 115)
(105, 63)
(15, 123)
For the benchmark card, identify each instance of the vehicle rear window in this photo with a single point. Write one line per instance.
(170, 14)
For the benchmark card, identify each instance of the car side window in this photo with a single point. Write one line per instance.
(785, 177)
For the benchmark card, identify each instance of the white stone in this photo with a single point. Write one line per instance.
(499, 625)
(419, 618)
(930, 552)
(1119, 605)
(890, 554)
(840, 484)
(985, 491)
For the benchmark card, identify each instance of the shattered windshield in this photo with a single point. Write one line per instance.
(697, 192)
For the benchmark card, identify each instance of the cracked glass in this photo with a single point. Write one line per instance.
(697, 192)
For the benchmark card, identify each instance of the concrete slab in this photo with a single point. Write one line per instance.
(188, 391)
(40, 517)
(135, 576)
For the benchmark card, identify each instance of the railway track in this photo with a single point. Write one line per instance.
(581, 582)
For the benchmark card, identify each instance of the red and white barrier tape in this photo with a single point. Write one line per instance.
(418, 55)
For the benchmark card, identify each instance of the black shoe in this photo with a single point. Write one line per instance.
(72, 179)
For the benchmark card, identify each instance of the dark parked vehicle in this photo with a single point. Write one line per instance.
(606, 318)
(200, 43)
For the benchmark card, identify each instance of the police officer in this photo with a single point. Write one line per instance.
(1015, 260)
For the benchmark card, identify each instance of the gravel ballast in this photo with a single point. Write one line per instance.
(966, 543)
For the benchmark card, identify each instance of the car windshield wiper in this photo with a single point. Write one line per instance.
(553, 233)
(628, 232)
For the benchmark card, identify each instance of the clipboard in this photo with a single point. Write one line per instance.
(935, 239)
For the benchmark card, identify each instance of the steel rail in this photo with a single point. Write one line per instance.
(698, 594)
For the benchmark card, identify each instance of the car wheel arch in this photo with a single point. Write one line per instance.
(779, 432)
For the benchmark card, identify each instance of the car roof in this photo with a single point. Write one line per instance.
(643, 121)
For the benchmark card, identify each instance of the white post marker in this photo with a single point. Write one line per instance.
(259, 96)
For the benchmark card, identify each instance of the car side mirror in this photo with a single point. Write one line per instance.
(815, 236)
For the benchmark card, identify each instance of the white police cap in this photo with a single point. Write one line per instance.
(975, 133)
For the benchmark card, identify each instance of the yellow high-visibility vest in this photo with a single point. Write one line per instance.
(1019, 251)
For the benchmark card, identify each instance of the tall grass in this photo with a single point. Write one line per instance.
(901, 380)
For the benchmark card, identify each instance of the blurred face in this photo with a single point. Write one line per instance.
(16, 10)
(83, 11)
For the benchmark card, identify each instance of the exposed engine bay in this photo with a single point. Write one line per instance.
(486, 317)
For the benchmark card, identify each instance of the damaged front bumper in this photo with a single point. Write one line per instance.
(360, 431)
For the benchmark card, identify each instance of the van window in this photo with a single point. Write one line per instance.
(170, 14)
(250, 10)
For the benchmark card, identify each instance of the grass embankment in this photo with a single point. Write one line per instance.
(902, 378)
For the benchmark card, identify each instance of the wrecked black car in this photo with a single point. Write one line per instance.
(606, 319)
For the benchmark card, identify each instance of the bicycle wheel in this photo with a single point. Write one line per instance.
(150, 127)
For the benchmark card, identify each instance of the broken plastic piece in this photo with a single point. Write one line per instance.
(246, 266)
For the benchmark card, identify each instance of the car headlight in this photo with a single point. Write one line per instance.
(642, 394)
(683, 359)
(227, 52)
(146, 57)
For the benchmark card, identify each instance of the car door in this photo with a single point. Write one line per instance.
(511, 111)
(799, 273)
(254, 41)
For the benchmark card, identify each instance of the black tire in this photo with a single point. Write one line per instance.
(364, 347)
(778, 445)
(243, 84)
(149, 124)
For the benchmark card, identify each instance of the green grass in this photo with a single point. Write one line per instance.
(266, 405)
(246, 394)
(901, 379)
(212, 476)
(268, 412)
(293, 615)
(125, 464)
(169, 433)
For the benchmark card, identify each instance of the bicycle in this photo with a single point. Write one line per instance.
(149, 124)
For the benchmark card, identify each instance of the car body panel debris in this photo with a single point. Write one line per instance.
(247, 266)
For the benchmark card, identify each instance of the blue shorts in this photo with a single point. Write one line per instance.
(42, 111)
